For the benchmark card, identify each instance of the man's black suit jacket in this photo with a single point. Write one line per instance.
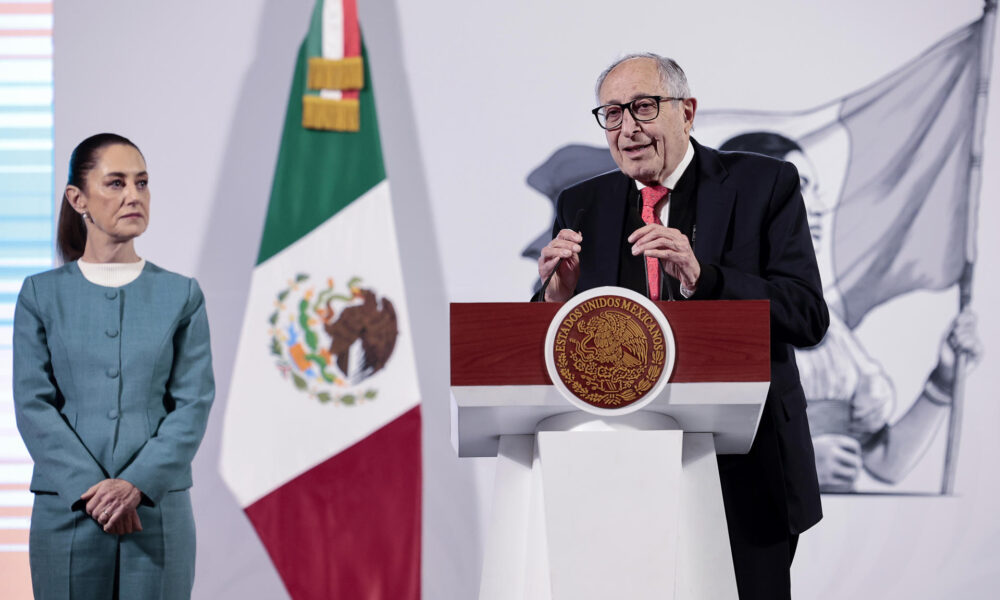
(753, 242)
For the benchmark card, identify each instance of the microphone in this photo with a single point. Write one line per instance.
(577, 221)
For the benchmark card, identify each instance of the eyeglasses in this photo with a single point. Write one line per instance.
(646, 108)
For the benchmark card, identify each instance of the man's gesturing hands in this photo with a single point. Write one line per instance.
(565, 246)
(672, 248)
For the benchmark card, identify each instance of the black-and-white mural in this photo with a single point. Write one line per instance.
(889, 176)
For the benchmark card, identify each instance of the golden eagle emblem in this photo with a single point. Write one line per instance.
(609, 351)
(613, 338)
(328, 341)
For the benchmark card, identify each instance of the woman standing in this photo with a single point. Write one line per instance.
(112, 389)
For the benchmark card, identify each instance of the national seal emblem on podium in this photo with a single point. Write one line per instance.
(609, 350)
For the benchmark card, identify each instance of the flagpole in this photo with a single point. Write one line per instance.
(965, 282)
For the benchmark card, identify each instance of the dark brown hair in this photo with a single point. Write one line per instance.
(71, 232)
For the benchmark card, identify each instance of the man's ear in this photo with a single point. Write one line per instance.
(690, 107)
(76, 198)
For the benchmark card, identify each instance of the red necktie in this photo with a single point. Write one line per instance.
(651, 196)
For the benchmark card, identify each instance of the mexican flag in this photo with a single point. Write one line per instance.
(321, 441)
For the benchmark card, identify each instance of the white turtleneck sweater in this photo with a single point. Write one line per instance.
(111, 274)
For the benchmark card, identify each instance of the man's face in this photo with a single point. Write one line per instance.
(647, 151)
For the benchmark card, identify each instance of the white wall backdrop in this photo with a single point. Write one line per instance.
(472, 96)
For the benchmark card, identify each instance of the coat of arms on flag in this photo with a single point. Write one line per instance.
(890, 179)
(325, 339)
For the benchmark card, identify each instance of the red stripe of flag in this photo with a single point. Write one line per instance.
(350, 526)
(352, 38)
(352, 32)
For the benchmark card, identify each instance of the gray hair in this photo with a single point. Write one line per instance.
(672, 76)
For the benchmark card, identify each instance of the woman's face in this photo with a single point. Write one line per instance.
(115, 194)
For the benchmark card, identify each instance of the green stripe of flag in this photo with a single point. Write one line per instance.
(314, 39)
(319, 172)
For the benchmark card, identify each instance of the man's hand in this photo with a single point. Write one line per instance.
(838, 461)
(672, 248)
(112, 503)
(566, 246)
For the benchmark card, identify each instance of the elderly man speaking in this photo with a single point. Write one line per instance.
(681, 221)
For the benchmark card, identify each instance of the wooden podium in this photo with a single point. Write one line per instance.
(589, 506)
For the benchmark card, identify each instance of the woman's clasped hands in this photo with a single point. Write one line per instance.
(113, 503)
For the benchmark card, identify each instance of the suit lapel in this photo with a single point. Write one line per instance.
(603, 235)
(715, 202)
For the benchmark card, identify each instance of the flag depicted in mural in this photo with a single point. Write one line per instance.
(321, 442)
(890, 178)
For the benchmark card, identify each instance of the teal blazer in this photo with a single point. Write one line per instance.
(110, 383)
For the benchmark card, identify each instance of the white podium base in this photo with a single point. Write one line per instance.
(595, 509)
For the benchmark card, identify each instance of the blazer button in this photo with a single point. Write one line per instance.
(111, 294)
(111, 333)
(113, 414)
(112, 372)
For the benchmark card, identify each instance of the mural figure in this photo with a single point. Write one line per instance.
(850, 396)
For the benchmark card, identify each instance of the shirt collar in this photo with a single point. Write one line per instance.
(671, 181)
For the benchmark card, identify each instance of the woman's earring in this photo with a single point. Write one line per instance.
(86, 216)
